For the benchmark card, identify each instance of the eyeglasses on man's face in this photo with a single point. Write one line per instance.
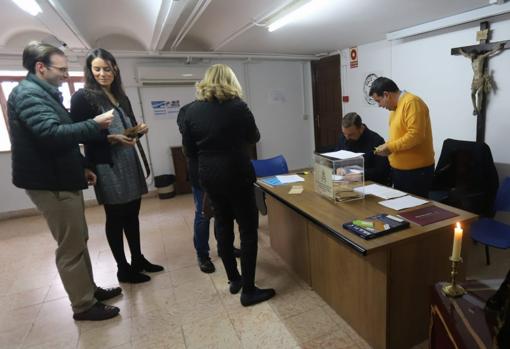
(63, 70)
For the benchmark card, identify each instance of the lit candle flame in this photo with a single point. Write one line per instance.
(458, 225)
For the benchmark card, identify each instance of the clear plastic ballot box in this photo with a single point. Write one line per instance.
(336, 179)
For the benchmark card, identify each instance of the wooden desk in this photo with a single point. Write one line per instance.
(380, 286)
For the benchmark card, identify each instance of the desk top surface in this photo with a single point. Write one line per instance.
(331, 215)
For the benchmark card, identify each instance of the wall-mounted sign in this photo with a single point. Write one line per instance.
(353, 53)
(165, 108)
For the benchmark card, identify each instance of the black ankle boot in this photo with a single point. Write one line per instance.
(131, 276)
(256, 295)
(235, 285)
(142, 264)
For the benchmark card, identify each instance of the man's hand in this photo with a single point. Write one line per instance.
(104, 120)
(382, 150)
(122, 139)
(90, 177)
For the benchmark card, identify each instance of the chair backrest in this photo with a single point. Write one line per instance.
(503, 196)
(468, 167)
(270, 167)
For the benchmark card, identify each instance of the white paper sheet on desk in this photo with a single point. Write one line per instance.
(380, 191)
(342, 154)
(290, 179)
(403, 202)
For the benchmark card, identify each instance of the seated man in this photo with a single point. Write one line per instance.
(358, 138)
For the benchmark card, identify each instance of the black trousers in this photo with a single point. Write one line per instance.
(417, 181)
(237, 203)
(123, 219)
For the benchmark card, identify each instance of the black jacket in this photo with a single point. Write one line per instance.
(216, 137)
(45, 151)
(85, 105)
(377, 168)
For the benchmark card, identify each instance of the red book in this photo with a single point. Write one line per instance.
(427, 215)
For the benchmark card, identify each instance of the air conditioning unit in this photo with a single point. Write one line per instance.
(170, 75)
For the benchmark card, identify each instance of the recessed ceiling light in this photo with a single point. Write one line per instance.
(299, 13)
(29, 6)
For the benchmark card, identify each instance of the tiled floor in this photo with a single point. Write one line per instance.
(179, 308)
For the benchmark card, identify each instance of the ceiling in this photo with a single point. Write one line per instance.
(165, 27)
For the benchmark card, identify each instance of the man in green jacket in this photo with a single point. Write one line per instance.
(47, 163)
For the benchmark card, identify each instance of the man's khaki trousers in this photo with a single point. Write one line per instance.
(65, 214)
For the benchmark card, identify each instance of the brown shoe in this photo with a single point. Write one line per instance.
(98, 312)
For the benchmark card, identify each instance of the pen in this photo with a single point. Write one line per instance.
(302, 173)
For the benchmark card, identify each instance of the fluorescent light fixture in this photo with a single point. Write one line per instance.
(466, 17)
(299, 13)
(30, 6)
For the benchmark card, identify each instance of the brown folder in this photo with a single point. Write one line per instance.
(427, 215)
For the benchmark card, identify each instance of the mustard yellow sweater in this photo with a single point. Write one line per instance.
(410, 140)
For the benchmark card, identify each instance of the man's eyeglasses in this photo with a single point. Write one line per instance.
(63, 70)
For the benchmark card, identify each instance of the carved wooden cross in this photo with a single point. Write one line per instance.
(482, 81)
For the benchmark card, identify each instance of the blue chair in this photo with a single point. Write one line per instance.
(264, 168)
(491, 232)
(270, 167)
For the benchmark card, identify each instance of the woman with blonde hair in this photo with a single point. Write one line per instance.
(217, 131)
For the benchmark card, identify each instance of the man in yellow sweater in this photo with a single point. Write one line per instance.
(409, 147)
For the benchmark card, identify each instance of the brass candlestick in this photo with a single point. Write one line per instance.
(453, 289)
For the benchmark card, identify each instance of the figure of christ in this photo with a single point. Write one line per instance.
(482, 81)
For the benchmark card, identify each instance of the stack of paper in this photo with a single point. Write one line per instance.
(380, 191)
(342, 154)
(403, 202)
(283, 179)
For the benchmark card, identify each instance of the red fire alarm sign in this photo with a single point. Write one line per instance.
(353, 52)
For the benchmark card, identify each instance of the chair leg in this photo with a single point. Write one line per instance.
(487, 256)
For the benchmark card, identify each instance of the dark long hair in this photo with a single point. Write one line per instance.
(90, 81)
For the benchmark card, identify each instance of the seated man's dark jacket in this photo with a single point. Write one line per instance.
(216, 137)
(87, 104)
(45, 142)
(377, 168)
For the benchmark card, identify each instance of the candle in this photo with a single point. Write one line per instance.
(457, 243)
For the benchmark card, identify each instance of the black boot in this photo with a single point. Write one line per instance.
(131, 276)
(141, 264)
(205, 265)
(256, 295)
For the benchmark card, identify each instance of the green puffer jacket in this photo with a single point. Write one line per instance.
(45, 142)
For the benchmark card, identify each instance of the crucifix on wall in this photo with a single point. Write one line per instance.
(482, 82)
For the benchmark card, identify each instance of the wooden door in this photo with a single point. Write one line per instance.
(327, 102)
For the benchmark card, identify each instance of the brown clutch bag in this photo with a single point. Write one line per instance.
(133, 132)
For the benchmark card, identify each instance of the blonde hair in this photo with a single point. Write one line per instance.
(219, 83)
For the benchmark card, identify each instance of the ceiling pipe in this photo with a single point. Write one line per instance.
(158, 39)
(68, 22)
(9, 53)
(466, 17)
(255, 22)
(199, 8)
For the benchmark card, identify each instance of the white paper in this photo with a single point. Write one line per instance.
(380, 191)
(342, 154)
(337, 178)
(284, 179)
(403, 202)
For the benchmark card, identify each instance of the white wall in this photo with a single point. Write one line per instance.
(285, 125)
(424, 66)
